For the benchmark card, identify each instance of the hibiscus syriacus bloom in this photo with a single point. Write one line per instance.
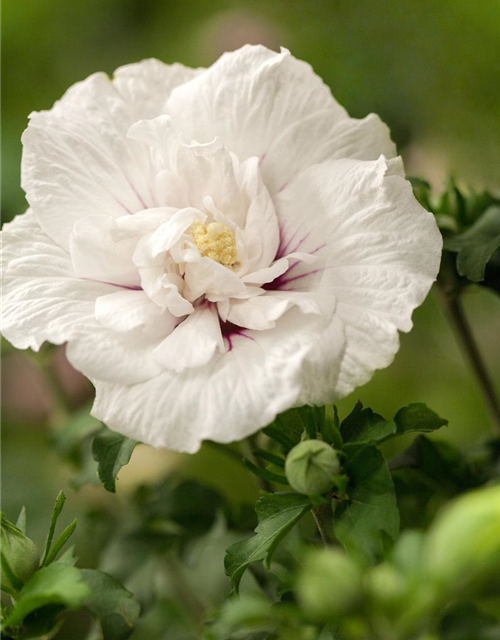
(215, 246)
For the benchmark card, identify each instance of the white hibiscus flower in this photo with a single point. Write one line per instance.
(215, 246)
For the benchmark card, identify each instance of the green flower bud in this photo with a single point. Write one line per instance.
(386, 586)
(329, 584)
(19, 553)
(462, 550)
(310, 467)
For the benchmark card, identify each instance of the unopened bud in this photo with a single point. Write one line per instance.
(311, 466)
(19, 553)
(329, 584)
(463, 547)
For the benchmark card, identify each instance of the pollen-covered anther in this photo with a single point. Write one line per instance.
(215, 241)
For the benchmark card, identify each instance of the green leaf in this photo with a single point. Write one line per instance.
(21, 520)
(57, 584)
(189, 507)
(287, 429)
(368, 520)
(417, 417)
(279, 436)
(365, 426)
(58, 507)
(277, 514)
(264, 473)
(476, 245)
(270, 457)
(61, 541)
(313, 419)
(111, 451)
(69, 557)
(330, 430)
(465, 621)
(79, 426)
(112, 604)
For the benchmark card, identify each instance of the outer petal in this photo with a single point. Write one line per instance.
(271, 105)
(235, 394)
(145, 86)
(43, 299)
(77, 159)
(124, 358)
(380, 253)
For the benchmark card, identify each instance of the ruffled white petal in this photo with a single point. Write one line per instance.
(77, 159)
(247, 98)
(43, 299)
(232, 396)
(380, 253)
(273, 106)
(107, 354)
(317, 138)
(145, 86)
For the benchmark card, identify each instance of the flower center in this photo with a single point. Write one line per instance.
(215, 241)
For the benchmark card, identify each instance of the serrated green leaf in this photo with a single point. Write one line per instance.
(58, 507)
(111, 451)
(277, 514)
(365, 426)
(417, 417)
(60, 542)
(112, 604)
(57, 584)
(476, 245)
(368, 520)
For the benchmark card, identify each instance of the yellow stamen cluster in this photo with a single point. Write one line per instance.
(215, 241)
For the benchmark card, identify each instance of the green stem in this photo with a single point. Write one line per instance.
(194, 609)
(247, 448)
(465, 338)
(323, 516)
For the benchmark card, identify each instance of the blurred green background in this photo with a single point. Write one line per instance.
(430, 69)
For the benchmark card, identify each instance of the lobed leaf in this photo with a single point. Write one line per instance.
(277, 514)
(111, 451)
(57, 584)
(476, 245)
(364, 426)
(112, 604)
(368, 520)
